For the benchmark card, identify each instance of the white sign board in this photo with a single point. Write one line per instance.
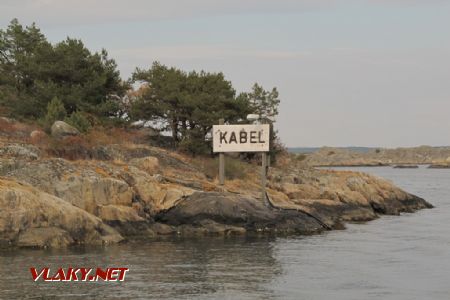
(241, 138)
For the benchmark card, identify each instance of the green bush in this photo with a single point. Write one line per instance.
(55, 112)
(300, 157)
(79, 121)
(194, 143)
(235, 168)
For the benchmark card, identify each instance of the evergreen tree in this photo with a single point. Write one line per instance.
(79, 121)
(264, 103)
(188, 104)
(33, 72)
(55, 112)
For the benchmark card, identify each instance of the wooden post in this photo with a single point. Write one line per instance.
(264, 161)
(221, 162)
(270, 144)
(263, 177)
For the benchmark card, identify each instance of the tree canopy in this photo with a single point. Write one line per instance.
(187, 104)
(33, 71)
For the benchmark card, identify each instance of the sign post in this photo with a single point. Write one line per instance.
(242, 138)
(221, 162)
(263, 176)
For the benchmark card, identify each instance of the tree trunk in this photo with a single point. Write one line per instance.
(174, 128)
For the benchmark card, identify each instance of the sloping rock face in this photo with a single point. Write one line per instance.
(342, 195)
(123, 196)
(31, 218)
(84, 188)
(26, 152)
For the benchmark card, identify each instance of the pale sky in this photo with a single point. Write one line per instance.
(349, 72)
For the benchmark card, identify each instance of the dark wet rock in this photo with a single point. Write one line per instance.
(406, 167)
(239, 211)
(439, 166)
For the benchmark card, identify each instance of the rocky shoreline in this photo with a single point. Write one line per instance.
(143, 192)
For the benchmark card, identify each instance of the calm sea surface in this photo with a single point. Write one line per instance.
(405, 257)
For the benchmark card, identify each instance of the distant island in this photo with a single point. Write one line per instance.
(437, 157)
(303, 150)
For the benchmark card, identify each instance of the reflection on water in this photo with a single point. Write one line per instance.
(163, 269)
(405, 257)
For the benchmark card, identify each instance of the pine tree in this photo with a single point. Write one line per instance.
(55, 112)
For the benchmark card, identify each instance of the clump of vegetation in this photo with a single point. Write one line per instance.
(300, 157)
(234, 168)
(55, 112)
(189, 104)
(194, 143)
(33, 72)
(79, 121)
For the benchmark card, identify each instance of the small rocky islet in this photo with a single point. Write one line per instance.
(117, 192)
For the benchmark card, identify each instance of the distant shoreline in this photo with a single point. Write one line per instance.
(436, 157)
(305, 150)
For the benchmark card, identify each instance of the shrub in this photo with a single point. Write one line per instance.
(194, 143)
(79, 121)
(234, 168)
(300, 157)
(55, 112)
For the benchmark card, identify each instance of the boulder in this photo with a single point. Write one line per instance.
(61, 129)
(37, 135)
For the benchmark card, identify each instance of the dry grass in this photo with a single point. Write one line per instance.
(234, 167)
(86, 146)
(15, 131)
(99, 136)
